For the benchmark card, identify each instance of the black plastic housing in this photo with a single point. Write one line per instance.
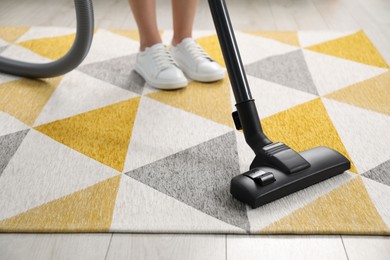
(324, 163)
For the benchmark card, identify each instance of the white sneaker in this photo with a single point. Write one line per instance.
(156, 65)
(195, 62)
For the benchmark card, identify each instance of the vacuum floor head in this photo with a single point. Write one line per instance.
(264, 184)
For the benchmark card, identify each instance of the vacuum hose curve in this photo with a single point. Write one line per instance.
(77, 53)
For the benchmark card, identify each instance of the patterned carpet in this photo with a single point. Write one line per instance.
(97, 150)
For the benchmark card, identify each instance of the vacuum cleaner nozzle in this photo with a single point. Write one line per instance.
(263, 184)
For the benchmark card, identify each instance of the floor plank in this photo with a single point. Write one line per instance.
(54, 246)
(285, 247)
(361, 248)
(167, 246)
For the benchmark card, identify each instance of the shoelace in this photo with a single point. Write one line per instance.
(197, 52)
(163, 58)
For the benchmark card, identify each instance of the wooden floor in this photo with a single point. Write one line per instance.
(371, 15)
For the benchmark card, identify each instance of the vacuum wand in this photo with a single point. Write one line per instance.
(246, 117)
(230, 51)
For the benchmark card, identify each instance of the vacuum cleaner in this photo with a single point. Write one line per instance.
(276, 171)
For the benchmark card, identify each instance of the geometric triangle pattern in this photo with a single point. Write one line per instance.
(25, 98)
(379, 173)
(372, 94)
(102, 134)
(116, 72)
(305, 126)
(331, 73)
(194, 171)
(141, 208)
(169, 136)
(350, 204)
(364, 133)
(356, 47)
(79, 93)
(99, 150)
(12, 33)
(8, 146)
(288, 69)
(9, 124)
(44, 170)
(310, 38)
(209, 101)
(280, 36)
(52, 48)
(89, 210)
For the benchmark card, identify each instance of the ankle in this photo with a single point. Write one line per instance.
(145, 45)
(178, 39)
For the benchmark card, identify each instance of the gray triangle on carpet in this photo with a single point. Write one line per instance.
(118, 72)
(380, 173)
(200, 177)
(8, 146)
(288, 69)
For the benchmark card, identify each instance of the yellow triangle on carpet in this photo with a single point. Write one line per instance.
(347, 209)
(25, 98)
(372, 94)
(102, 134)
(305, 126)
(52, 48)
(356, 47)
(12, 33)
(87, 210)
(211, 101)
(211, 45)
(286, 37)
(131, 34)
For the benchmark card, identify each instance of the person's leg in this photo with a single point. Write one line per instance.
(183, 19)
(191, 57)
(144, 12)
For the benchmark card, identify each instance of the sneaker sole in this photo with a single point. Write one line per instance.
(160, 85)
(207, 78)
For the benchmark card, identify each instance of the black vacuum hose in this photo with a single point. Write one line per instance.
(79, 50)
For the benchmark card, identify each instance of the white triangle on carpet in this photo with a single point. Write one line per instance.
(9, 124)
(254, 48)
(380, 196)
(107, 45)
(245, 153)
(43, 170)
(330, 73)
(140, 208)
(39, 32)
(79, 93)
(272, 98)
(363, 133)
(309, 38)
(161, 130)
